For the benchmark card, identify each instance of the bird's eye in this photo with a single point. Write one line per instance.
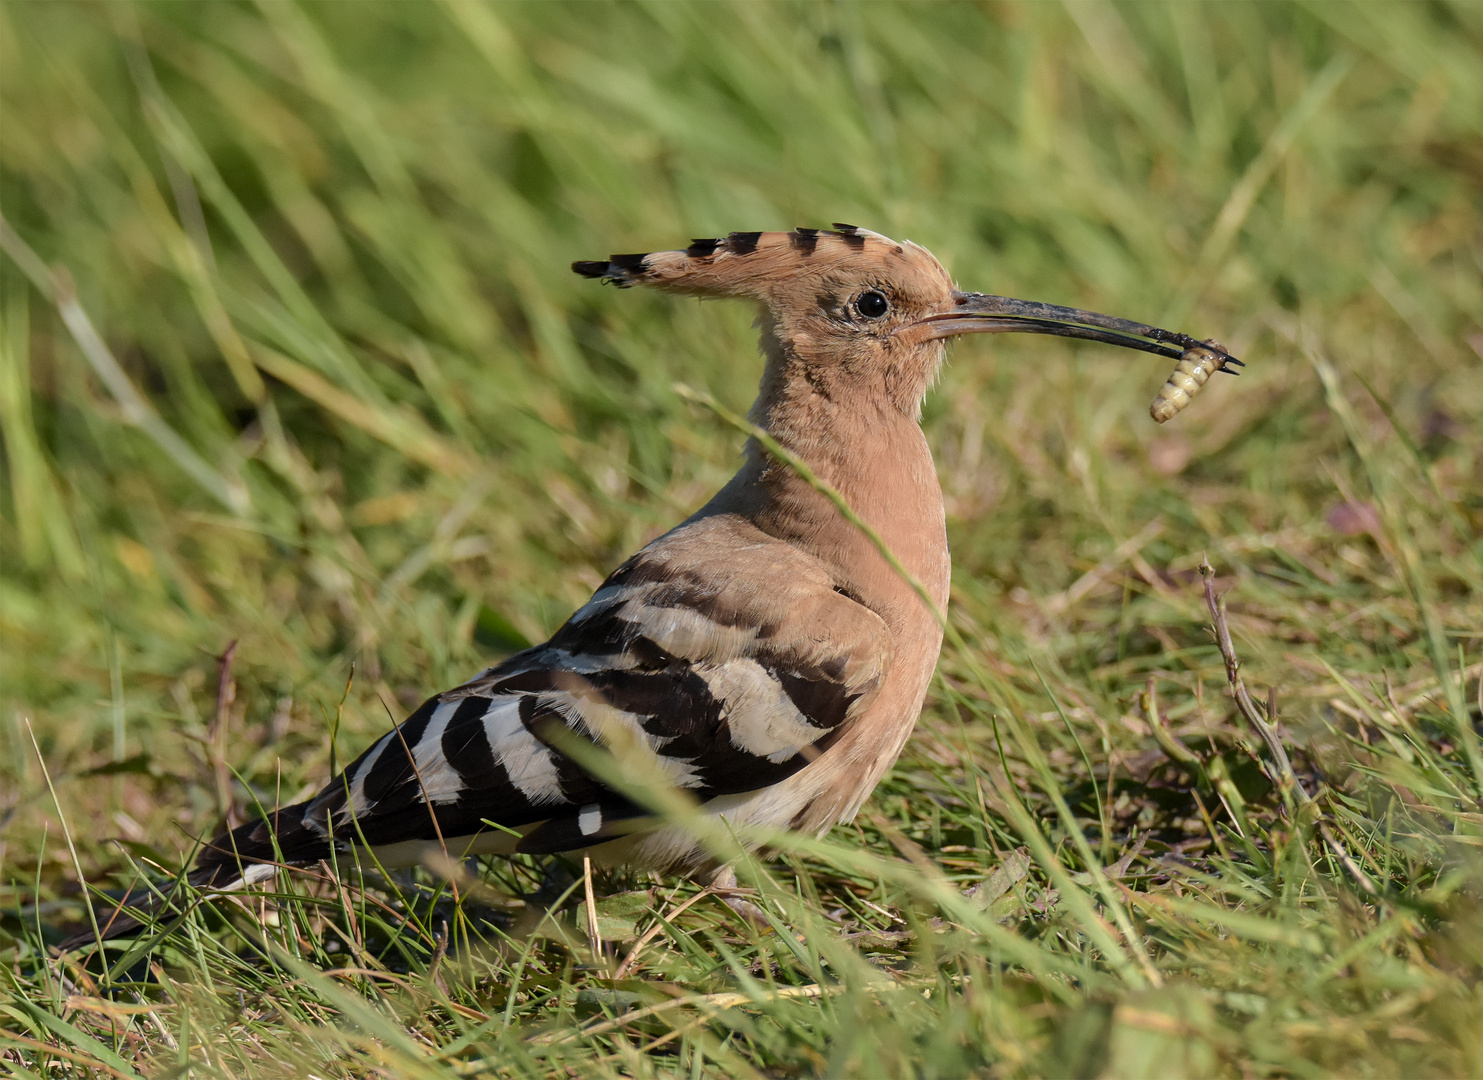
(872, 305)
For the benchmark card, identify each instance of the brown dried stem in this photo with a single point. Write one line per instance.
(1266, 726)
(1285, 775)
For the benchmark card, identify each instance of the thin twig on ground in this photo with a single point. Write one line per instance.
(1285, 775)
(594, 934)
(653, 932)
(1266, 726)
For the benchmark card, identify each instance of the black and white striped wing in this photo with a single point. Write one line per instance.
(730, 687)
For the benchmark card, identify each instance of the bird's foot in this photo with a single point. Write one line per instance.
(723, 884)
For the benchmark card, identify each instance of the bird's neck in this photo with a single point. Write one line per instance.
(875, 455)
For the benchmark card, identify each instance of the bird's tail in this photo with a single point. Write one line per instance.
(243, 856)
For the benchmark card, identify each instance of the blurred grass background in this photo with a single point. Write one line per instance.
(363, 418)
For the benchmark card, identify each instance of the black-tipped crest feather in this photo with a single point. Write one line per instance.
(742, 243)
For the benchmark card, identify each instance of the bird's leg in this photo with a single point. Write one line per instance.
(723, 884)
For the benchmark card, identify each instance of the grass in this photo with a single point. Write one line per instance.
(361, 420)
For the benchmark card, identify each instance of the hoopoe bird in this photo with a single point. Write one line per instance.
(762, 652)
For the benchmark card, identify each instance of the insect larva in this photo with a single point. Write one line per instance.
(1194, 368)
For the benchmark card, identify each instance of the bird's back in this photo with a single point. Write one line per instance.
(727, 657)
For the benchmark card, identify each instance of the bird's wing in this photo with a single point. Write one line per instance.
(728, 681)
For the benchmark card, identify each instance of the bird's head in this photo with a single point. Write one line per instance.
(849, 312)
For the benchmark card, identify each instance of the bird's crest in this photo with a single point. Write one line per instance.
(751, 264)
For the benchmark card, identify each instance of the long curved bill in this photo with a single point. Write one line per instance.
(980, 313)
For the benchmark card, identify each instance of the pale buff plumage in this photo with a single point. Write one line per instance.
(847, 405)
(763, 652)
